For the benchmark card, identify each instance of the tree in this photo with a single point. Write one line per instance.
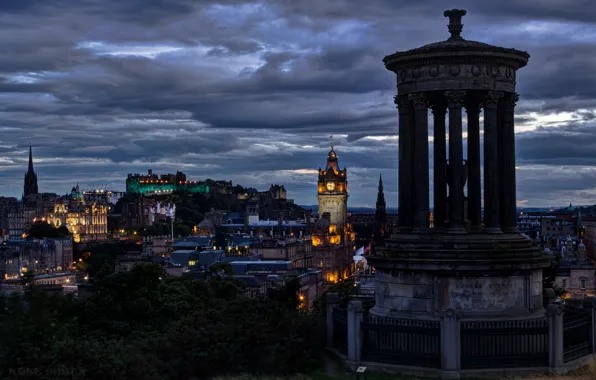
(63, 231)
(101, 259)
(40, 230)
(151, 326)
(288, 294)
(221, 270)
(182, 230)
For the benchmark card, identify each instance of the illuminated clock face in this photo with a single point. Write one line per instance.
(330, 186)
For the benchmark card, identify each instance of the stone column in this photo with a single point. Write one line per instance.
(507, 196)
(455, 102)
(491, 163)
(354, 340)
(406, 149)
(421, 173)
(440, 169)
(332, 300)
(555, 335)
(474, 174)
(450, 343)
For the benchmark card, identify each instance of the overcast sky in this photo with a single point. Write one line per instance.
(251, 92)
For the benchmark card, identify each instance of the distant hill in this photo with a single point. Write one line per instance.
(359, 210)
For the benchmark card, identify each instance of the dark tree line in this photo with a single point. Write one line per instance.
(40, 230)
(145, 325)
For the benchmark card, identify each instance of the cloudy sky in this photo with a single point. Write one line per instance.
(252, 91)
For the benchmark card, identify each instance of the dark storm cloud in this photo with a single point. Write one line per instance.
(130, 10)
(561, 71)
(572, 144)
(580, 10)
(251, 91)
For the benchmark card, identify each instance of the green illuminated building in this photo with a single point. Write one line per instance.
(152, 184)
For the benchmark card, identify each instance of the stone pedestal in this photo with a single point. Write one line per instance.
(479, 276)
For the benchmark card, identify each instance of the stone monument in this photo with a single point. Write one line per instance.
(481, 267)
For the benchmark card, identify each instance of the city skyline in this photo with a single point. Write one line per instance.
(103, 89)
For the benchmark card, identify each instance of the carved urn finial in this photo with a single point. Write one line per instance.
(455, 26)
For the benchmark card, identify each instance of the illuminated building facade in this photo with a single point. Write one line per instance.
(332, 236)
(333, 190)
(102, 196)
(41, 256)
(86, 222)
(152, 184)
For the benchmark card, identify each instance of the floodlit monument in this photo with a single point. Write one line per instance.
(462, 296)
(479, 267)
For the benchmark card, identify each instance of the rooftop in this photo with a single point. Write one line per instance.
(457, 44)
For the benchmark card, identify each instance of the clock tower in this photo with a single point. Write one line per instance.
(332, 190)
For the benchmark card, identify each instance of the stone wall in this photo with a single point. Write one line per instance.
(413, 292)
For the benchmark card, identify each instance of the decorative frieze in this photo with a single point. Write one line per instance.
(459, 70)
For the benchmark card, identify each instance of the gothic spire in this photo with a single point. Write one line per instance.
(381, 199)
(381, 213)
(30, 169)
(380, 219)
(30, 183)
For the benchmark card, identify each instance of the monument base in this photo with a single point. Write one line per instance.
(480, 276)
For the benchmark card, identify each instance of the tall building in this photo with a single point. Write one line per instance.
(30, 186)
(381, 213)
(332, 236)
(333, 190)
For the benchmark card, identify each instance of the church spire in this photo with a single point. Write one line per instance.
(30, 185)
(381, 213)
(30, 169)
(380, 218)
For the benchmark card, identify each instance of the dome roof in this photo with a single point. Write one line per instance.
(456, 44)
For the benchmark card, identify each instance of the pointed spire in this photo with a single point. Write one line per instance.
(30, 169)
(30, 185)
(380, 218)
(381, 213)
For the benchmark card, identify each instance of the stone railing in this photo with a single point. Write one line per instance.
(450, 346)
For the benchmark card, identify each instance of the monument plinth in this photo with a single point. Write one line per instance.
(482, 267)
